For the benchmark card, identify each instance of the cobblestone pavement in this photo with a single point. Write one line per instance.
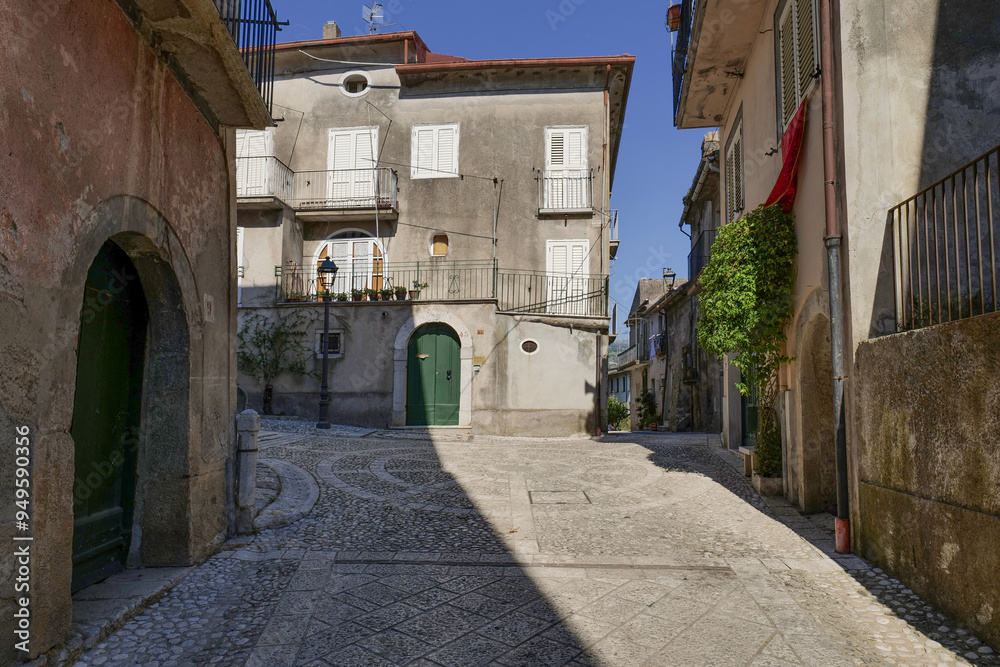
(633, 550)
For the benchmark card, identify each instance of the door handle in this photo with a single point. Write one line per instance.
(449, 375)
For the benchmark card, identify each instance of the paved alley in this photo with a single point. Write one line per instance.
(649, 549)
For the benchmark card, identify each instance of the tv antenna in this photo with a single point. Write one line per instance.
(374, 17)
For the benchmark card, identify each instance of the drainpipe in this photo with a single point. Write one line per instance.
(832, 240)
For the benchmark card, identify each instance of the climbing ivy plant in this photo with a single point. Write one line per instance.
(745, 304)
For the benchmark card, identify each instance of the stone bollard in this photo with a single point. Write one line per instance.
(247, 428)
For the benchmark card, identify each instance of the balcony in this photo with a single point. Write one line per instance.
(514, 291)
(613, 233)
(565, 191)
(340, 194)
(713, 40)
(222, 51)
(701, 252)
(628, 357)
(946, 247)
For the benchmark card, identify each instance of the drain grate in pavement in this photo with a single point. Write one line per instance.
(559, 498)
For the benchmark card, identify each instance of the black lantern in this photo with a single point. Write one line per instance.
(668, 274)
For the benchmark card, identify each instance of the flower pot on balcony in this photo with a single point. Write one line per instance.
(674, 18)
(358, 295)
(401, 294)
(414, 294)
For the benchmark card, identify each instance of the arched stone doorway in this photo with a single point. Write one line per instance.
(107, 414)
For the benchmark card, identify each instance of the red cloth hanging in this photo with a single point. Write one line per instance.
(783, 193)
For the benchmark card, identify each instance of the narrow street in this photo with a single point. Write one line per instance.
(632, 550)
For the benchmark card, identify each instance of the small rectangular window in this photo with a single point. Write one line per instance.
(440, 247)
(734, 171)
(336, 344)
(434, 151)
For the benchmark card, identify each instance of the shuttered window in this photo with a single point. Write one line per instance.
(440, 246)
(434, 151)
(351, 161)
(567, 277)
(797, 55)
(254, 176)
(734, 173)
(566, 178)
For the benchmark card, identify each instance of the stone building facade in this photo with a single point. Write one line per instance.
(117, 305)
(479, 190)
(902, 184)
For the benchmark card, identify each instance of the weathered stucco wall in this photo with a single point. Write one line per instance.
(928, 414)
(505, 396)
(99, 140)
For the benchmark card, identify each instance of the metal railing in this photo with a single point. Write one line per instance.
(316, 190)
(254, 27)
(701, 252)
(515, 291)
(552, 293)
(946, 242)
(628, 356)
(681, 47)
(264, 177)
(565, 189)
(345, 189)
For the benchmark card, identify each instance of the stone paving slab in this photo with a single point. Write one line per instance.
(425, 551)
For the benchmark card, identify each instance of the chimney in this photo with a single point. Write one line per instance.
(331, 30)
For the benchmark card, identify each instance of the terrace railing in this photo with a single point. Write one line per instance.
(565, 190)
(514, 291)
(338, 189)
(254, 27)
(946, 243)
(701, 252)
(628, 356)
(681, 48)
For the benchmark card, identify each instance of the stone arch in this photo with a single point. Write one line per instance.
(416, 320)
(817, 489)
(162, 530)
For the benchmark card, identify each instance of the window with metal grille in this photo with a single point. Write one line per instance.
(797, 55)
(734, 171)
(336, 348)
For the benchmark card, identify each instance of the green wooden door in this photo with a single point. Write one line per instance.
(106, 416)
(433, 383)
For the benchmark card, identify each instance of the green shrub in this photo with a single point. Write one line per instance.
(647, 410)
(618, 413)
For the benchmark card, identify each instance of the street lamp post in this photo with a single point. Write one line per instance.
(668, 274)
(328, 271)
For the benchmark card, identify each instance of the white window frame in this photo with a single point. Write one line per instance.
(801, 91)
(735, 175)
(318, 350)
(435, 170)
(566, 183)
(348, 75)
(348, 277)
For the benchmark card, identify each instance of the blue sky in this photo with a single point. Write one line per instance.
(656, 162)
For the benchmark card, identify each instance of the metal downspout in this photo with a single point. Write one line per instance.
(832, 240)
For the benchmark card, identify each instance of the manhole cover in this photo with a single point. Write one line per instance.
(559, 498)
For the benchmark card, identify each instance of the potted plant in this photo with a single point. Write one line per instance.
(386, 294)
(373, 294)
(400, 293)
(340, 296)
(417, 286)
(296, 297)
(358, 294)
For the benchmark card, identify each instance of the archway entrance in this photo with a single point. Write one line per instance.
(433, 376)
(106, 415)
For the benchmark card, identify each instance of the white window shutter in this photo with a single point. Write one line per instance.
(567, 280)
(446, 150)
(806, 45)
(577, 149)
(556, 156)
(789, 76)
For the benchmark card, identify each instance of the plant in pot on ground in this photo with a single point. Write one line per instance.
(745, 304)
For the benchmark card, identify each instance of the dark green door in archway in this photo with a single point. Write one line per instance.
(106, 413)
(433, 384)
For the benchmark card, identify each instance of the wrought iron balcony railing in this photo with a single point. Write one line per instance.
(254, 27)
(515, 291)
(701, 252)
(946, 243)
(316, 190)
(681, 47)
(565, 190)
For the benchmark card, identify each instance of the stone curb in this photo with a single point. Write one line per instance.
(299, 492)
